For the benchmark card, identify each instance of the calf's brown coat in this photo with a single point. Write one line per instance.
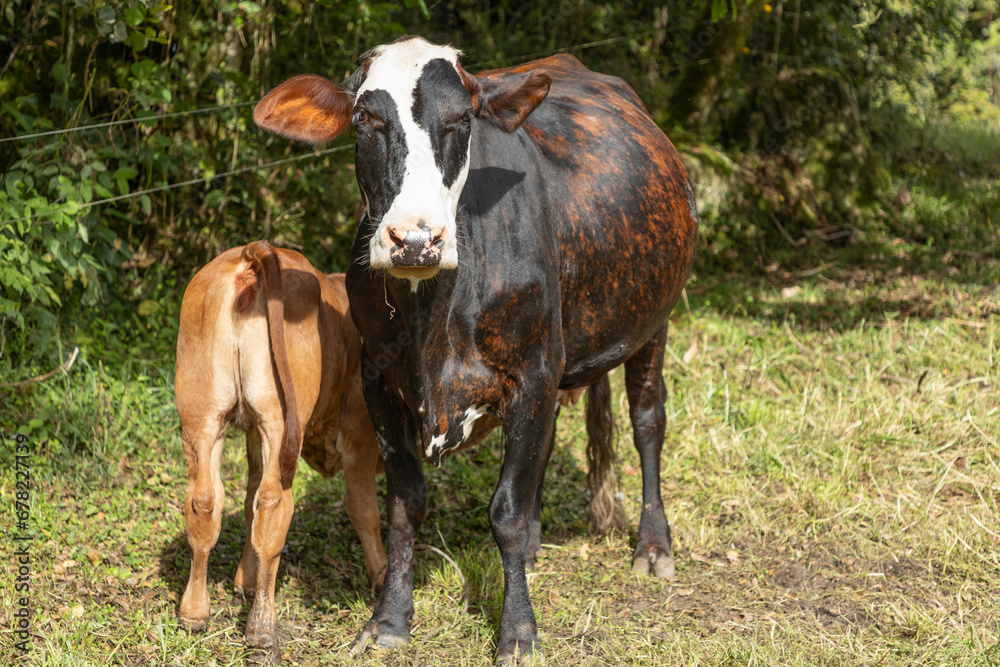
(267, 342)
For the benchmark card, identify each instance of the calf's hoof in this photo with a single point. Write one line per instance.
(263, 657)
(375, 636)
(263, 649)
(193, 625)
(653, 561)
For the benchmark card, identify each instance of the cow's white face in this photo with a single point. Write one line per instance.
(413, 119)
(413, 108)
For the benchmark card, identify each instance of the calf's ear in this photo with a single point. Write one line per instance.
(506, 99)
(306, 108)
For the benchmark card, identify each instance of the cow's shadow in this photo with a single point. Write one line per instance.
(323, 558)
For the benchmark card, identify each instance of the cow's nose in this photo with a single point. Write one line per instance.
(415, 246)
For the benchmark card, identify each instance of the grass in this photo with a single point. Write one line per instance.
(831, 475)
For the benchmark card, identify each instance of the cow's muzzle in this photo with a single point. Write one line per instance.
(415, 248)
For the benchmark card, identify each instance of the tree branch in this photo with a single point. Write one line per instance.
(41, 378)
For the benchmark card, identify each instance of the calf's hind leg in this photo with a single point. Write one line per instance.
(271, 509)
(246, 574)
(203, 505)
(646, 395)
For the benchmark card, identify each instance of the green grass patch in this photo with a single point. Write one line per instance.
(831, 476)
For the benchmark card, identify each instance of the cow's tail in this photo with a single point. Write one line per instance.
(264, 261)
(605, 511)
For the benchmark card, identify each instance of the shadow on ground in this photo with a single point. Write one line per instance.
(839, 288)
(323, 559)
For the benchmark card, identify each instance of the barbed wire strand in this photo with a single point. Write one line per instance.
(163, 188)
(124, 121)
(76, 208)
(190, 112)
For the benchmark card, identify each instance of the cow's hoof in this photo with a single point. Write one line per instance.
(654, 562)
(193, 625)
(375, 637)
(521, 655)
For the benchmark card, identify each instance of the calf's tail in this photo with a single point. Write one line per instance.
(605, 511)
(264, 262)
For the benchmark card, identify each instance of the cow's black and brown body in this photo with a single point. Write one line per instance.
(575, 235)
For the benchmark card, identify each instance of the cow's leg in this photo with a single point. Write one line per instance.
(406, 503)
(246, 574)
(272, 513)
(360, 463)
(203, 505)
(535, 529)
(528, 428)
(646, 395)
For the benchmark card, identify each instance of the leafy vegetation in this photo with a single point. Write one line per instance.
(804, 127)
(831, 467)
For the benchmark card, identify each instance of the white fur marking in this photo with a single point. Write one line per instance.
(471, 415)
(435, 444)
(396, 68)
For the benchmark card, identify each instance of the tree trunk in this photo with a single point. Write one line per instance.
(709, 62)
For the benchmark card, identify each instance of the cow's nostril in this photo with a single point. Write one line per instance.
(439, 243)
(398, 242)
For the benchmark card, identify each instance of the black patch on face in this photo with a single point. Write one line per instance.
(441, 107)
(380, 150)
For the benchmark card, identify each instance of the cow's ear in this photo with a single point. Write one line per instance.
(506, 99)
(307, 108)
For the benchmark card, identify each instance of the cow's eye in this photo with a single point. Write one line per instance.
(361, 117)
(460, 122)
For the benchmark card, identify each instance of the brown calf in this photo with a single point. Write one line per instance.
(283, 363)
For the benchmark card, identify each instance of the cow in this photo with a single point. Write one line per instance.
(526, 230)
(267, 342)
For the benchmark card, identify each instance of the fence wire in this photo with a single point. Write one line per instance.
(76, 208)
(124, 121)
(163, 188)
